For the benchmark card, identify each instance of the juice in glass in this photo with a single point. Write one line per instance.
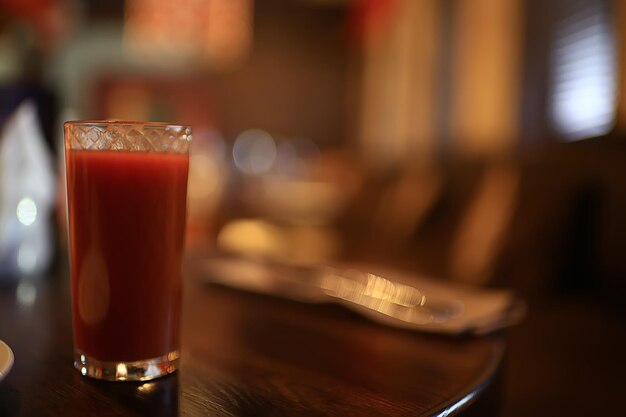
(126, 212)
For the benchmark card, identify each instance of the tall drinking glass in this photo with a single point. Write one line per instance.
(126, 189)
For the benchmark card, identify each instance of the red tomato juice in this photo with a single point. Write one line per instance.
(127, 215)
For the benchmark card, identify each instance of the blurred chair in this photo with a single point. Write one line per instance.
(485, 224)
(509, 222)
(405, 203)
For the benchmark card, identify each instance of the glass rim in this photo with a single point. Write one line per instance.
(97, 123)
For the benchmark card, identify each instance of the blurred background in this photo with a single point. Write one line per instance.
(478, 141)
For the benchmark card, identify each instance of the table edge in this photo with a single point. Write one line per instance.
(463, 401)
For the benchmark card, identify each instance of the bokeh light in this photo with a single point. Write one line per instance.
(254, 152)
(26, 211)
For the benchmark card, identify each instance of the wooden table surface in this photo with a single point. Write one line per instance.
(248, 355)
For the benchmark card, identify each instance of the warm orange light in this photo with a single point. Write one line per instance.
(214, 31)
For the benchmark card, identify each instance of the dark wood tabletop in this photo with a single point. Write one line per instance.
(248, 355)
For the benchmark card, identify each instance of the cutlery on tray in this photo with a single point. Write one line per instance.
(390, 297)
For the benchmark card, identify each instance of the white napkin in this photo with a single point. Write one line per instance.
(484, 310)
(27, 192)
(476, 311)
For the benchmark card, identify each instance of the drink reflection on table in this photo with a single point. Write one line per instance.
(154, 398)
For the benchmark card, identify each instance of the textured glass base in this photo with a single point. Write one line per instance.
(143, 370)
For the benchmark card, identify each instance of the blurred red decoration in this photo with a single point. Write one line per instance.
(47, 17)
(370, 17)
